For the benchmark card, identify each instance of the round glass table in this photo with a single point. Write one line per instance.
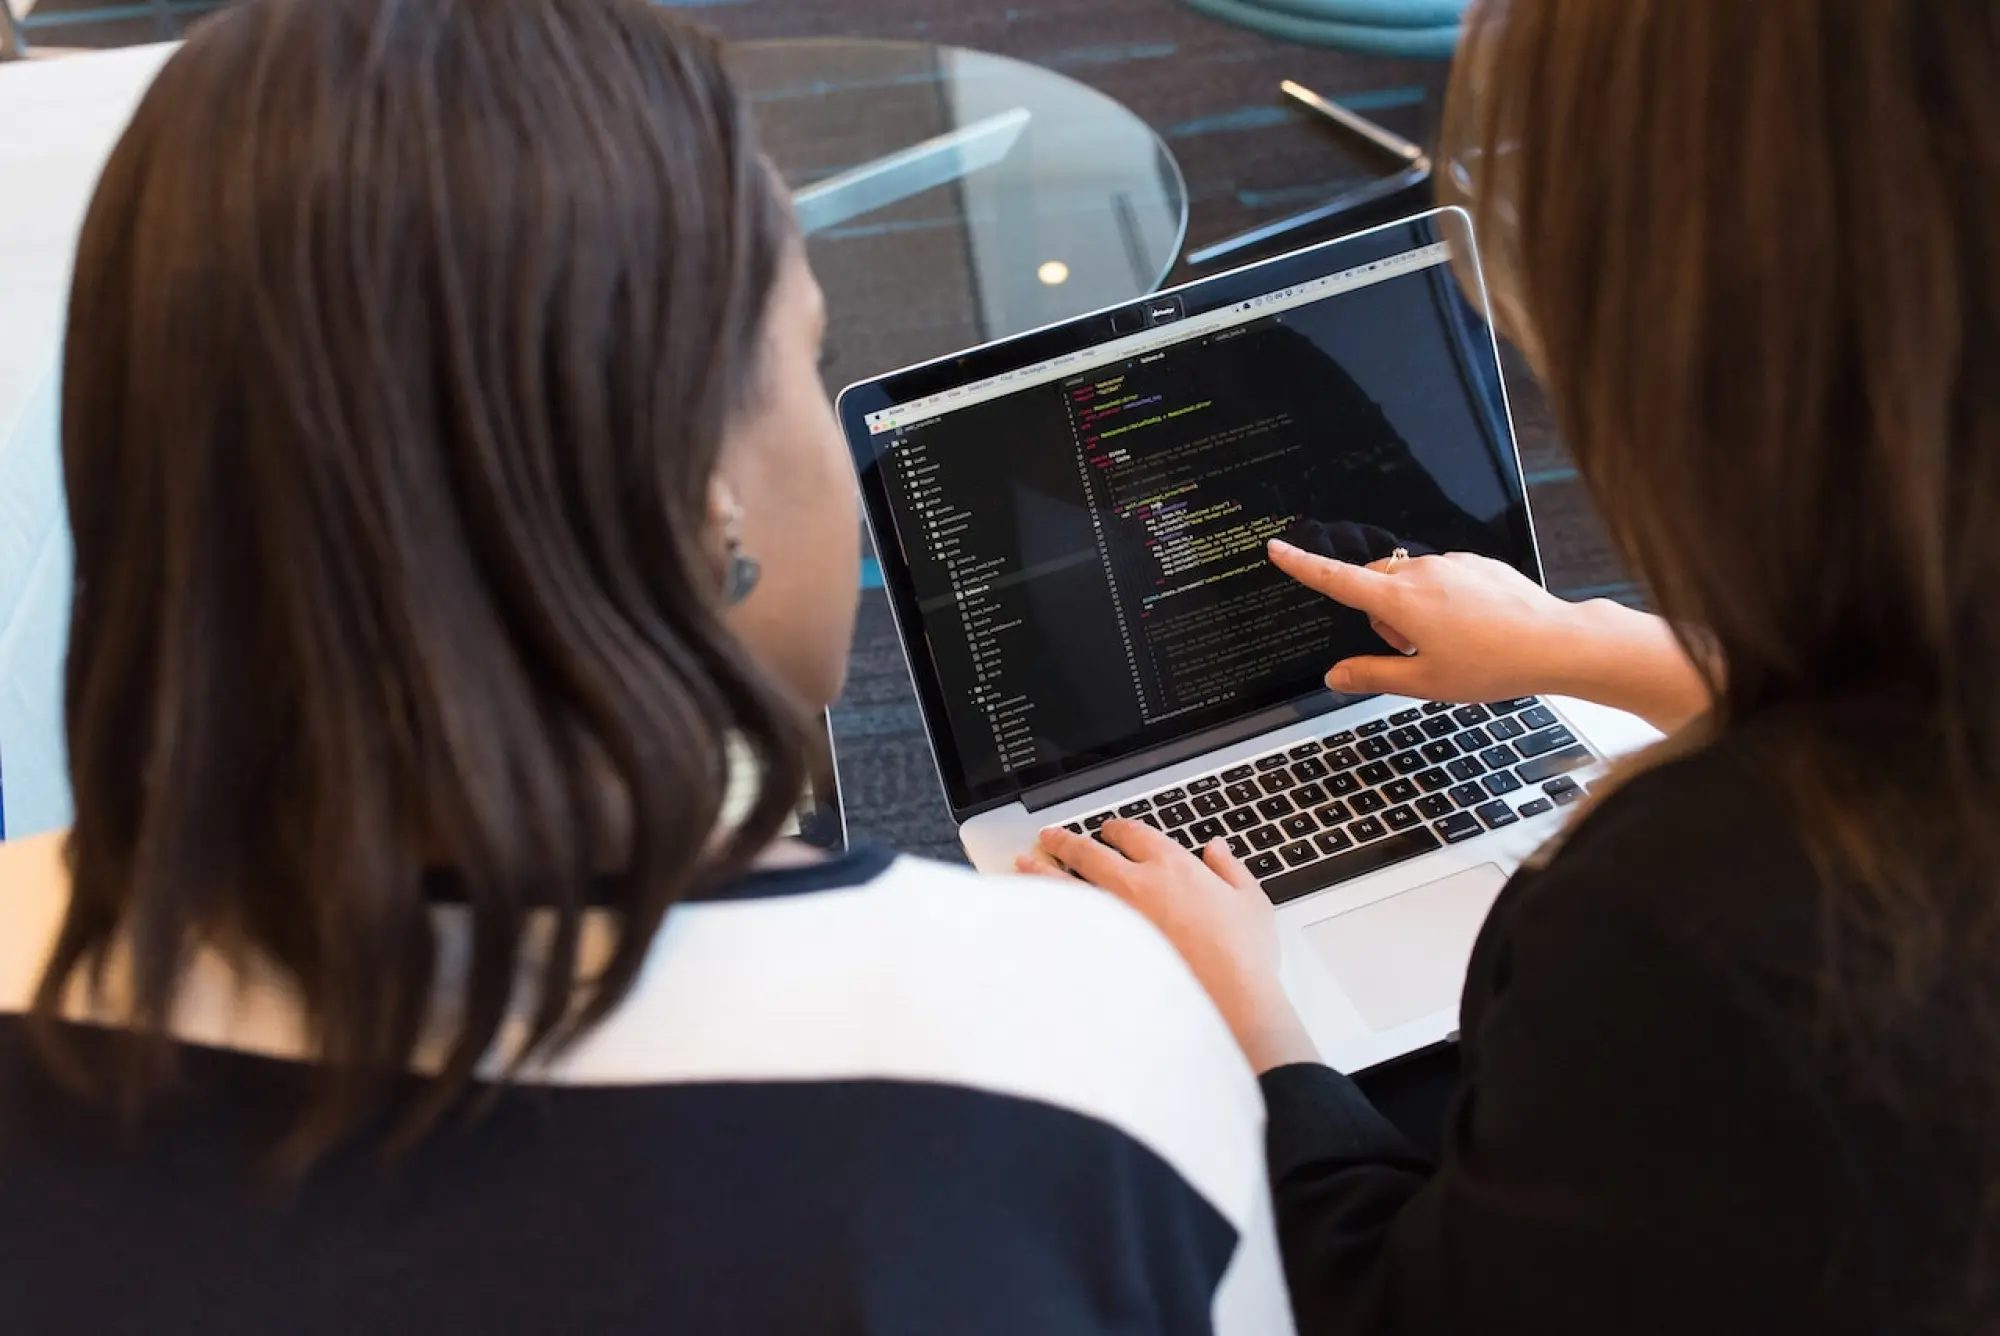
(951, 197)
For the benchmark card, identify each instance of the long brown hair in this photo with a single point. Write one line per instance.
(1751, 248)
(402, 345)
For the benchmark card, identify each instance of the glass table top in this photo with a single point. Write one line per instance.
(952, 197)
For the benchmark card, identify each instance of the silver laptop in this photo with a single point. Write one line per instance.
(1071, 526)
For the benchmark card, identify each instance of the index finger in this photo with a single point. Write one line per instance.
(1139, 841)
(1356, 586)
(1095, 862)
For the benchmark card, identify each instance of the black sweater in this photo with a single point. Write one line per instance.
(1648, 1136)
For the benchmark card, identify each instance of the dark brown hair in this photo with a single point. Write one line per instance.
(403, 340)
(1751, 246)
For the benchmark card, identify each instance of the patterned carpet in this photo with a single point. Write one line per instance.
(1210, 90)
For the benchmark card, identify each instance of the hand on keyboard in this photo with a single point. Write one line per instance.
(1213, 911)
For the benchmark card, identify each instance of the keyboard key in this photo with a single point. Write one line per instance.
(1459, 827)
(1299, 825)
(1400, 790)
(1433, 779)
(1406, 716)
(1374, 749)
(1130, 810)
(1206, 784)
(1407, 763)
(1473, 740)
(1093, 822)
(1177, 814)
(1339, 739)
(1439, 726)
(1435, 805)
(1558, 784)
(1272, 762)
(1498, 758)
(1185, 840)
(1303, 750)
(1333, 814)
(1343, 758)
(1309, 795)
(1567, 796)
(1439, 752)
(1555, 763)
(1466, 767)
(1240, 846)
(1204, 831)
(1376, 772)
(1371, 728)
(1547, 740)
(1239, 818)
(1343, 783)
(1407, 737)
(1496, 815)
(1265, 837)
(1509, 706)
(1236, 773)
(1367, 802)
(1242, 794)
(1074, 828)
(1401, 818)
(1165, 796)
(1152, 819)
(1275, 808)
(1310, 768)
(1298, 854)
(1208, 804)
(1499, 782)
(1277, 781)
(1368, 828)
(1503, 729)
(1471, 714)
(1469, 795)
(1346, 864)
(1435, 707)
(1537, 806)
(1333, 841)
(1265, 865)
(1539, 717)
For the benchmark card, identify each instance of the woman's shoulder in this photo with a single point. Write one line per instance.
(900, 969)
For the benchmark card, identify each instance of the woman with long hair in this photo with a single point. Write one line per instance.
(1731, 1047)
(459, 523)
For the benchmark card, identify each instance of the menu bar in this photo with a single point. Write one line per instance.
(1160, 336)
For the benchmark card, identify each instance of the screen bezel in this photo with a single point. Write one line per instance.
(857, 401)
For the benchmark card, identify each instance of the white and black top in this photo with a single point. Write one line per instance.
(875, 1095)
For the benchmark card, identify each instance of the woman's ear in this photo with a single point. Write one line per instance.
(738, 572)
(722, 508)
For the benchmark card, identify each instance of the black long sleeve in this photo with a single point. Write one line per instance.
(1642, 1141)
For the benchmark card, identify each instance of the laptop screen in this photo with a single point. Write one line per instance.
(1076, 543)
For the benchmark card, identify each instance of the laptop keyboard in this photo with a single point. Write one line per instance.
(1307, 816)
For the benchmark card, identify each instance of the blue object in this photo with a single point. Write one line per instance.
(1411, 29)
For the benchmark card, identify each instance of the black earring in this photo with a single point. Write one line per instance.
(744, 572)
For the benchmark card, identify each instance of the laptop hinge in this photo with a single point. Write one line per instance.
(1182, 749)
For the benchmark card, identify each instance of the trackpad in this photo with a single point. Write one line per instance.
(1403, 958)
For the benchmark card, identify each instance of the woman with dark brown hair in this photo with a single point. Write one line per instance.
(459, 521)
(1731, 1050)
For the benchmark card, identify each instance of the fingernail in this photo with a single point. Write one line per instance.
(1340, 679)
(1279, 547)
(1048, 832)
